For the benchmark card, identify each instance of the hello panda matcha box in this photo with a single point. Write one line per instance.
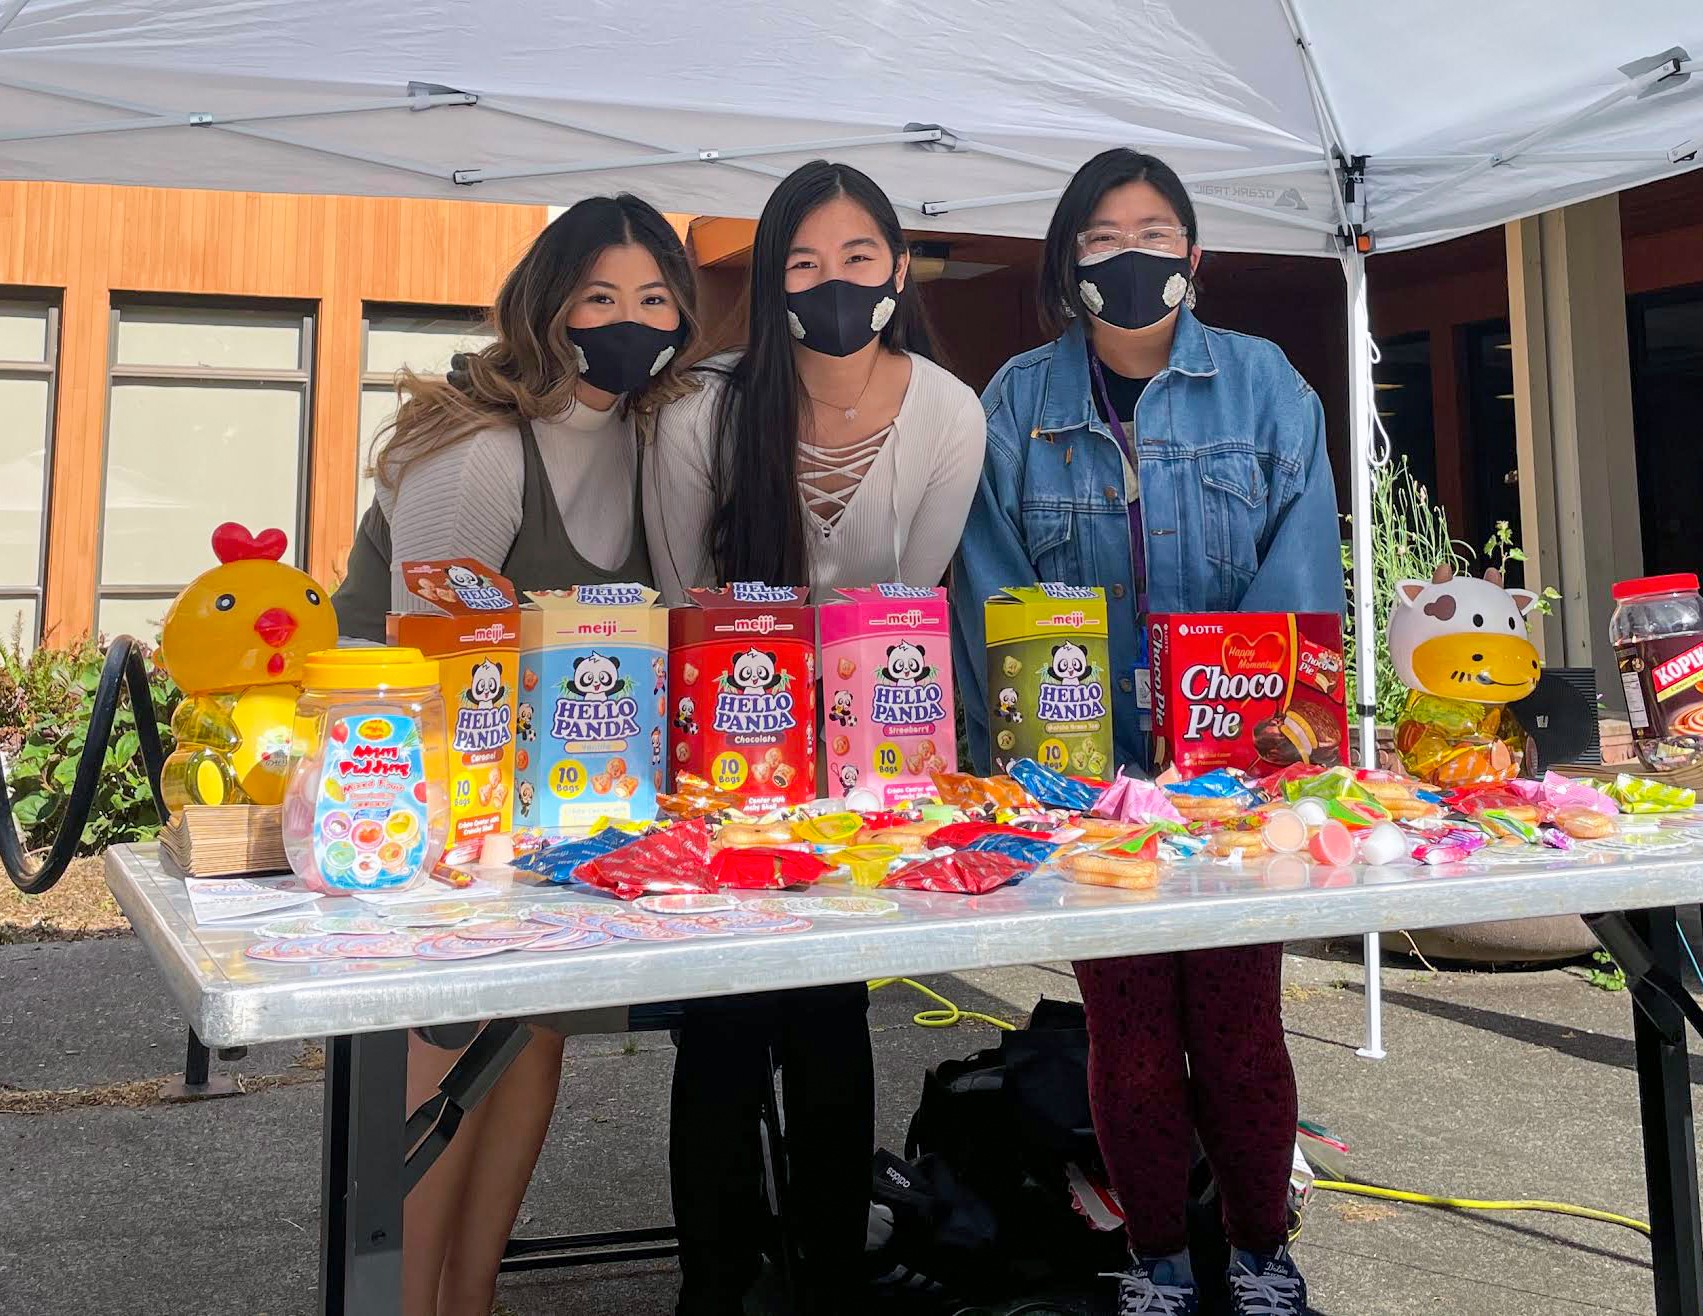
(1049, 696)
(887, 688)
(593, 707)
(474, 633)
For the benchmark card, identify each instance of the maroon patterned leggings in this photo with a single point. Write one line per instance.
(1192, 1041)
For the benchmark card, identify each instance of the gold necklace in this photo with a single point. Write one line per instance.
(850, 413)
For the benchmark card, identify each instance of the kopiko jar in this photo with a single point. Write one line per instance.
(366, 807)
(1657, 633)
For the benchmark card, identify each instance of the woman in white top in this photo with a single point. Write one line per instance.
(832, 452)
(527, 459)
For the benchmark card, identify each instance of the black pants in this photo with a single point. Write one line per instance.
(820, 1036)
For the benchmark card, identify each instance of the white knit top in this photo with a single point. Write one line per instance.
(465, 500)
(900, 522)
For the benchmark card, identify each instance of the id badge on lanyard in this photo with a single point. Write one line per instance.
(1141, 674)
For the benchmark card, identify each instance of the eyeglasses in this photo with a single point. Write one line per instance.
(1108, 239)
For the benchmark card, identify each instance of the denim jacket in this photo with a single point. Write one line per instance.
(1237, 500)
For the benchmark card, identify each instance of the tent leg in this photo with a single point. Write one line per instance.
(1360, 403)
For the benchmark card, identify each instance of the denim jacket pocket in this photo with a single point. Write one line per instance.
(1048, 530)
(1234, 494)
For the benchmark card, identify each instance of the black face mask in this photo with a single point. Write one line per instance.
(624, 357)
(1134, 289)
(838, 318)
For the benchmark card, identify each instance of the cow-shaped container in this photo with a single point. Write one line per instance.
(1460, 646)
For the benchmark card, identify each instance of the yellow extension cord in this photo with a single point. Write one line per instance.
(949, 1015)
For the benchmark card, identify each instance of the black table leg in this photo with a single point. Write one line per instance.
(1670, 1153)
(361, 1191)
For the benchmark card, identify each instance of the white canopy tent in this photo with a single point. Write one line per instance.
(1307, 127)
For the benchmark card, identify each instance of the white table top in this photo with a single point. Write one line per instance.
(232, 1000)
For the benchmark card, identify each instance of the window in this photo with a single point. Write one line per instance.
(1404, 404)
(1666, 342)
(207, 422)
(29, 342)
(419, 338)
(1494, 466)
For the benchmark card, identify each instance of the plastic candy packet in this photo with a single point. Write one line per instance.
(1558, 792)
(968, 872)
(694, 797)
(673, 860)
(755, 869)
(829, 828)
(867, 864)
(1451, 847)
(1356, 814)
(1333, 784)
(969, 792)
(1130, 799)
(560, 861)
(1556, 839)
(958, 836)
(1642, 795)
(1053, 789)
(1222, 784)
(1025, 847)
(1501, 825)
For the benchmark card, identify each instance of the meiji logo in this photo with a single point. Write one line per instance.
(1675, 670)
(478, 729)
(592, 720)
(906, 705)
(1055, 590)
(893, 591)
(751, 591)
(754, 625)
(1072, 620)
(598, 628)
(486, 635)
(910, 620)
(610, 596)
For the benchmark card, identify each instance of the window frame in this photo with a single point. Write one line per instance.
(240, 377)
(51, 301)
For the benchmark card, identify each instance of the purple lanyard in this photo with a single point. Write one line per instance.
(1137, 539)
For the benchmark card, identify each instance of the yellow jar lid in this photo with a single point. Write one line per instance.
(370, 669)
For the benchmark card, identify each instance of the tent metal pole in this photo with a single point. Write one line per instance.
(1360, 405)
(1204, 199)
(11, 11)
(195, 119)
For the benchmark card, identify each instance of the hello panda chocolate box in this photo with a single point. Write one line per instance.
(1259, 691)
(742, 692)
(887, 691)
(474, 633)
(593, 707)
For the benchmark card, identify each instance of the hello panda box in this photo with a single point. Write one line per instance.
(742, 686)
(474, 633)
(592, 707)
(887, 687)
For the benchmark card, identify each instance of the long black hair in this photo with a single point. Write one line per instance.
(757, 532)
(1058, 299)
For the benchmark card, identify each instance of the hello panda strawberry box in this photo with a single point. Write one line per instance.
(589, 728)
(742, 691)
(887, 688)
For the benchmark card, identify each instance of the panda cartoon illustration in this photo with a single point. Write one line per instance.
(1069, 665)
(842, 710)
(523, 793)
(595, 677)
(907, 664)
(461, 578)
(485, 686)
(754, 672)
(523, 721)
(1008, 709)
(847, 774)
(686, 717)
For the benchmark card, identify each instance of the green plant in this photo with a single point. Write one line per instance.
(1500, 550)
(1607, 975)
(45, 700)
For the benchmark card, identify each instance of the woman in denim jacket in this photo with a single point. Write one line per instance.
(1182, 469)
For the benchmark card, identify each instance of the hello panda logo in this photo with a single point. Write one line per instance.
(906, 693)
(595, 703)
(484, 721)
(474, 591)
(1068, 691)
(753, 698)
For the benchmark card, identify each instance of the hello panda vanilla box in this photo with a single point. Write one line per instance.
(592, 712)
(887, 690)
(474, 633)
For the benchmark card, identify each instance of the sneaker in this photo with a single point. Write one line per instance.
(1266, 1285)
(1155, 1287)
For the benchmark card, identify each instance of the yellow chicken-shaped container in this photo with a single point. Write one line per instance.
(234, 642)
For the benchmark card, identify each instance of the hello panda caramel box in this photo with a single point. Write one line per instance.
(474, 633)
(742, 691)
(1258, 691)
(887, 691)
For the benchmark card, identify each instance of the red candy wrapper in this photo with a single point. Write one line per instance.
(968, 873)
(670, 862)
(757, 869)
(956, 836)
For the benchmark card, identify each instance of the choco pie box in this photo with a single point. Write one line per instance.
(1047, 673)
(1257, 691)
(742, 681)
(593, 705)
(474, 634)
(887, 686)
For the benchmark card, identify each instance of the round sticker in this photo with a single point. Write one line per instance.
(729, 770)
(889, 762)
(1052, 754)
(374, 728)
(568, 779)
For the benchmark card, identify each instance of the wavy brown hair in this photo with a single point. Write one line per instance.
(529, 370)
